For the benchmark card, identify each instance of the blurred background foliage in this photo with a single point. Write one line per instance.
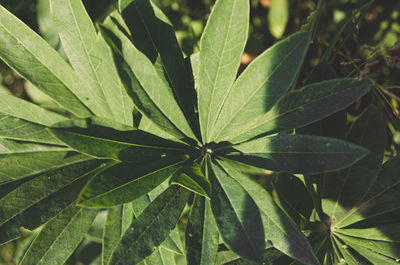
(354, 38)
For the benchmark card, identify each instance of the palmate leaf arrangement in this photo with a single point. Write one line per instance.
(201, 131)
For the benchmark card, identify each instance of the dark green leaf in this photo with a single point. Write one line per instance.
(40, 199)
(343, 190)
(278, 228)
(154, 37)
(39, 63)
(89, 55)
(151, 95)
(59, 237)
(264, 82)
(151, 228)
(221, 47)
(297, 153)
(132, 145)
(125, 182)
(304, 106)
(191, 178)
(236, 214)
(118, 220)
(201, 234)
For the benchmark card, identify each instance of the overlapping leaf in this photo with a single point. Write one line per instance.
(221, 47)
(24, 50)
(296, 153)
(102, 90)
(60, 236)
(151, 228)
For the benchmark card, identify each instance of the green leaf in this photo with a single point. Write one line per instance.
(59, 237)
(264, 82)
(11, 147)
(278, 228)
(191, 178)
(237, 216)
(382, 197)
(36, 61)
(155, 37)
(160, 256)
(278, 17)
(368, 250)
(293, 197)
(25, 110)
(152, 96)
(22, 165)
(118, 220)
(297, 153)
(201, 234)
(151, 228)
(173, 241)
(17, 129)
(338, 189)
(304, 106)
(102, 90)
(132, 145)
(388, 233)
(125, 182)
(46, 25)
(221, 47)
(36, 201)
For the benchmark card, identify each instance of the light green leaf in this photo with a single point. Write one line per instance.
(278, 228)
(17, 129)
(221, 47)
(10, 147)
(148, 126)
(201, 234)
(36, 201)
(338, 189)
(304, 106)
(118, 220)
(264, 82)
(388, 233)
(152, 96)
(372, 250)
(191, 178)
(22, 165)
(381, 199)
(25, 110)
(297, 153)
(125, 182)
(46, 25)
(101, 90)
(132, 145)
(151, 228)
(153, 35)
(59, 237)
(278, 17)
(39, 63)
(237, 216)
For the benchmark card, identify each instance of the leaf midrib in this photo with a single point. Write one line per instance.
(256, 90)
(172, 198)
(88, 58)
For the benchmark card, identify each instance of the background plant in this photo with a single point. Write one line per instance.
(119, 36)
